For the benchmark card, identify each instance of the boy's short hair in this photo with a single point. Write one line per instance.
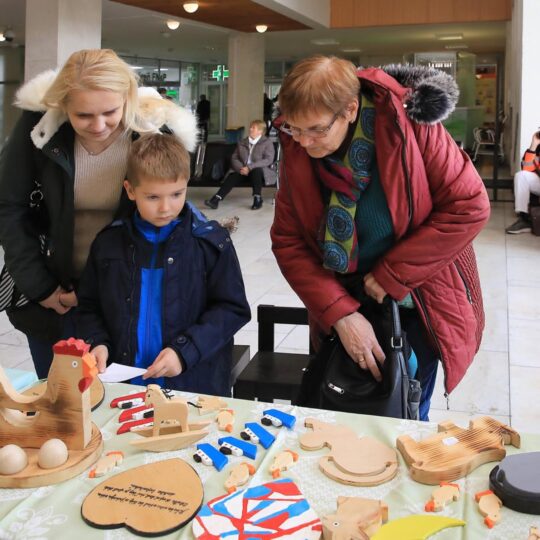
(157, 155)
(259, 123)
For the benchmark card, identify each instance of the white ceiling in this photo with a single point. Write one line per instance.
(136, 31)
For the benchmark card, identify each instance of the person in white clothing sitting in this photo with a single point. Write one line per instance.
(526, 181)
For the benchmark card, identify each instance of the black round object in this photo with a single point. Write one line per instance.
(245, 436)
(266, 421)
(516, 481)
(225, 450)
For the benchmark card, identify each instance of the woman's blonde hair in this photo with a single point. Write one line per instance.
(318, 83)
(96, 69)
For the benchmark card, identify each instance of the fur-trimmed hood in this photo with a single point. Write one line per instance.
(153, 113)
(431, 94)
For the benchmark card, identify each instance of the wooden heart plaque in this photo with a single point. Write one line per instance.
(150, 500)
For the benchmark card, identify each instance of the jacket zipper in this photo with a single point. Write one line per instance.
(149, 294)
(418, 294)
(403, 155)
(465, 284)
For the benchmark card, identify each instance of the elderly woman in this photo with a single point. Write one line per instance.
(61, 177)
(376, 199)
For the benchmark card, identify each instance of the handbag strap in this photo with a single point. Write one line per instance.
(396, 340)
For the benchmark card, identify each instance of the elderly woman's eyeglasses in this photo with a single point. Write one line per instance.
(315, 133)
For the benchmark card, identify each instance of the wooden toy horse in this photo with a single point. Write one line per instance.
(441, 496)
(356, 518)
(359, 461)
(166, 408)
(489, 506)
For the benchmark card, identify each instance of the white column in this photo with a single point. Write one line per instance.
(246, 80)
(56, 28)
(522, 75)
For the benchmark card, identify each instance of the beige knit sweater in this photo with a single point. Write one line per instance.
(98, 186)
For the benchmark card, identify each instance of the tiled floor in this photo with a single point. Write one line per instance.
(503, 381)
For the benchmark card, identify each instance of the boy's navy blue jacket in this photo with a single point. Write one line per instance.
(202, 300)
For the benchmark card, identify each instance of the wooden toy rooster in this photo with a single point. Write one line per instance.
(62, 410)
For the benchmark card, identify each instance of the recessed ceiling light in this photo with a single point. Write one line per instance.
(448, 37)
(460, 46)
(172, 24)
(261, 28)
(325, 41)
(351, 50)
(191, 7)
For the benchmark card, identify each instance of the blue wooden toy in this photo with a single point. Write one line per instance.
(237, 447)
(256, 433)
(208, 455)
(274, 417)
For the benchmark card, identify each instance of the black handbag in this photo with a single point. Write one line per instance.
(334, 381)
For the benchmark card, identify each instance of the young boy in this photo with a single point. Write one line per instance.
(163, 290)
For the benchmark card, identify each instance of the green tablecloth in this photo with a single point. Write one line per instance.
(53, 512)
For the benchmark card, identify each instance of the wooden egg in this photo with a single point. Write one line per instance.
(53, 453)
(13, 459)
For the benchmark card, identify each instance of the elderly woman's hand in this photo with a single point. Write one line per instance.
(358, 338)
(373, 289)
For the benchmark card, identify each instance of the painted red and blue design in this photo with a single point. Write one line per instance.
(273, 510)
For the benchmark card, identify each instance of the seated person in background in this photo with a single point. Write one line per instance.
(526, 182)
(252, 158)
(162, 289)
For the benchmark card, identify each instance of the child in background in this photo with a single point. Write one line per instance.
(163, 290)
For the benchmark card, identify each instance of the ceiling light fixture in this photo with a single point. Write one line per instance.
(261, 28)
(351, 50)
(448, 37)
(172, 24)
(2, 37)
(453, 47)
(191, 7)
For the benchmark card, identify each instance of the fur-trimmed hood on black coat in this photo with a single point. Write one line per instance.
(431, 94)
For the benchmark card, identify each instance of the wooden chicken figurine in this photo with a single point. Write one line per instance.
(62, 410)
(441, 496)
(356, 518)
(238, 476)
(225, 420)
(489, 505)
(282, 462)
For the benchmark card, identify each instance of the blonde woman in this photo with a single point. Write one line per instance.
(61, 177)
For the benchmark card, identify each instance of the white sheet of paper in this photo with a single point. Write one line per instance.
(118, 373)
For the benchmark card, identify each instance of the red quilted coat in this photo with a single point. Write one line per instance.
(438, 204)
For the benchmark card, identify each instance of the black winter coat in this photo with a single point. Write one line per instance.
(23, 167)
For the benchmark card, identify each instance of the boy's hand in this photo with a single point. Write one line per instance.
(102, 354)
(167, 364)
